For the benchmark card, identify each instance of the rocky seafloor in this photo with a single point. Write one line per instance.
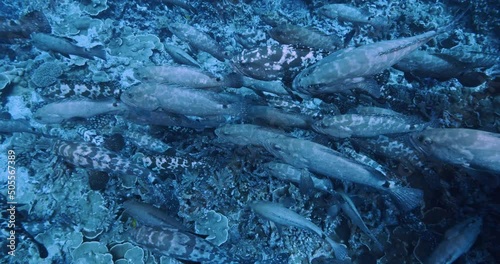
(69, 214)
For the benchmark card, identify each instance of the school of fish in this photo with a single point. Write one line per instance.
(286, 98)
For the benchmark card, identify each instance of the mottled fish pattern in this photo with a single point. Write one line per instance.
(180, 245)
(71, 89)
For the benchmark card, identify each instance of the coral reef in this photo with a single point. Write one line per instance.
(207, 184)
(46, 74)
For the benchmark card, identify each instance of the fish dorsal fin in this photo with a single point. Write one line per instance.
(451, 59)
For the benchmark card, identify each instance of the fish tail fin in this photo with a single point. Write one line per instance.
(378, 245)
(371, 87)
(98, 51)
(406, 198)
(45, 144)
(348, 37)
(340, 250)
(453, 23)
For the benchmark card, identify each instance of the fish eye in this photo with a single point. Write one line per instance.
(129, 95)
(218, 79)
(424, 140)
(115, 104)
(276, 147)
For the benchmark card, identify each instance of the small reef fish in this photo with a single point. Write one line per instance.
(68, 89)
(187, 76)
(181, 100)
(322, 160)
(469, 148)
(356, 125)
(288, 172)
(198, 40)
(31, 22)
(283, 216)
(60, 111)
(66, 46)
(352, 14)
(304, 37)
(351, 66)
(457, 241)
(180, 56)
(273, 63)
(352, 212)
(180, 245)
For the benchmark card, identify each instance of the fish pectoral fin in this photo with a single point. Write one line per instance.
(339, 250)
(370, 86)
(407, 199)
(70, 40)
(306, 184)
(345, 132)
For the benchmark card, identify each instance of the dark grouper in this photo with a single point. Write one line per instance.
(468, 148)
(323, 160)
(345, 68)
